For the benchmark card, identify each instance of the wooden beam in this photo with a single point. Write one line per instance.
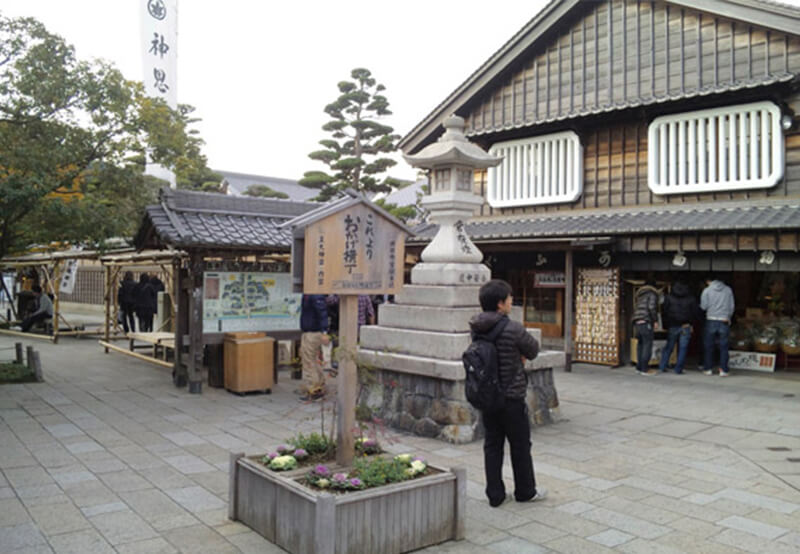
(107, 302)
(568, 309)
(14, 333)
(136, 355)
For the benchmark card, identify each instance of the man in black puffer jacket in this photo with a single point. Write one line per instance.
(645, 315)
(680, 309)
(511, 422)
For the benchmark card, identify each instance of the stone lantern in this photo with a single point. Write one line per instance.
(451, 258)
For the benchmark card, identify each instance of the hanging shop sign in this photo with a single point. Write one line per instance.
(549, 279)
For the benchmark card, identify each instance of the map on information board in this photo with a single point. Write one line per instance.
(246, 301)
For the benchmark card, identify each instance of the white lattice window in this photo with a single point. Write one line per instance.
(541, 170)
(731, 148)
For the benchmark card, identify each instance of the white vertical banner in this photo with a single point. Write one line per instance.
(160, 61)
(69, 277)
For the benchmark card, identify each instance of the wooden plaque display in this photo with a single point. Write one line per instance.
(597, 312)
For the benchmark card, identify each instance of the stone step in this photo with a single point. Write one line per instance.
(430, 295)
(445, 346)
(450, 370)
(427, 318)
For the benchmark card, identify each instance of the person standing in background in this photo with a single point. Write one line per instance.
(126, 299)
(680, 309)
(314, 325)
(645, 315)
(718, 304)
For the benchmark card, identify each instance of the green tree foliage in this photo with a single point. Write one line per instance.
(355, 151)
(72, 140)
(403, 213)
(264, 191)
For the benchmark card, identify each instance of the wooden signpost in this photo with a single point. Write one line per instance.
(350, 247)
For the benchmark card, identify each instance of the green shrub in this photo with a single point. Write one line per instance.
(314, 443)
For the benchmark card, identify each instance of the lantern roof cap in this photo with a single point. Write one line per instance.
(453, 148)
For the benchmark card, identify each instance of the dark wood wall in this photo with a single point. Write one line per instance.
(630, 53)
(615, 175)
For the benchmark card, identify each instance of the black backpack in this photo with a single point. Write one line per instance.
(482, 385)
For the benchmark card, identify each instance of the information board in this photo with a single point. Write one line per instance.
(354, 251)
(248, 301)
(597, 307)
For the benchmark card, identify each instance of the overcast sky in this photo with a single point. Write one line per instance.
(261, 72)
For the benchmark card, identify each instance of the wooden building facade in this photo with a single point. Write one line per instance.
(655, 138)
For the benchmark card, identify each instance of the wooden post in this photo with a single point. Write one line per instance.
(181, 282)
(325, 523)
(569, 288)
(461, 503)
(233, 476)
(18, 347)
(196, 325)
(107, 333)
(347, 380)
(29, 357)
(37, 367)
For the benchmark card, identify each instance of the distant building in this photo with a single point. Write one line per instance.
(237, 183)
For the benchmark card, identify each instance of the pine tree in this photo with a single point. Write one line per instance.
(358, 140)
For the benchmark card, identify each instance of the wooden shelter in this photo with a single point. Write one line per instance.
(639, 138)
(234, 251)
(49, 267)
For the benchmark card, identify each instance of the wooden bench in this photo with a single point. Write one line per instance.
(157, 341)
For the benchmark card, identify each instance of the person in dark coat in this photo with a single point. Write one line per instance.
(145, 303)
(127, 302)
(679, 310)
(514, 345)
(645, 316)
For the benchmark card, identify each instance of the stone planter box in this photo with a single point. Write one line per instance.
(394, 518)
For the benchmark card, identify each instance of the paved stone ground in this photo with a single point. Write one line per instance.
(108, 456)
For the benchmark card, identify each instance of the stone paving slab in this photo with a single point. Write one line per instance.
(108, 456)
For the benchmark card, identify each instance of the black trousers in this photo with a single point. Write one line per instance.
(128, 318)
(145, 322)
(509, 423)
(30, 321)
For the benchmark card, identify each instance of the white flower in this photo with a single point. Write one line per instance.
(410, 472)
(283, 462)
(323, 483)
(418, 466)
(405, 458)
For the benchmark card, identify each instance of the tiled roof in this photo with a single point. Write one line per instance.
(238, 183)
(190, 219)
(734, 217)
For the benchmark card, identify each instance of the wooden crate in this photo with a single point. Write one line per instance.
(249, 364)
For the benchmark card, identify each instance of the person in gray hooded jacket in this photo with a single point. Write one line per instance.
(717, 301)
(513, 345)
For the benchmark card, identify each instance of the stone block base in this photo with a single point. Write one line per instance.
(438, 408)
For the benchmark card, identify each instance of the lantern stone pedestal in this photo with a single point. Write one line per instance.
(415, 352)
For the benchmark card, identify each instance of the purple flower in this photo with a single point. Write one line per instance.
(321, 470)
(272, 455)
(300, 453)
(370, 443)
(282, 448)
(418, 459)
(340, 477)
(355, 482)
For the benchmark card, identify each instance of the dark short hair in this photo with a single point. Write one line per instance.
(128, 276)
(492, 293)
(144, 278)
(36, 288)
